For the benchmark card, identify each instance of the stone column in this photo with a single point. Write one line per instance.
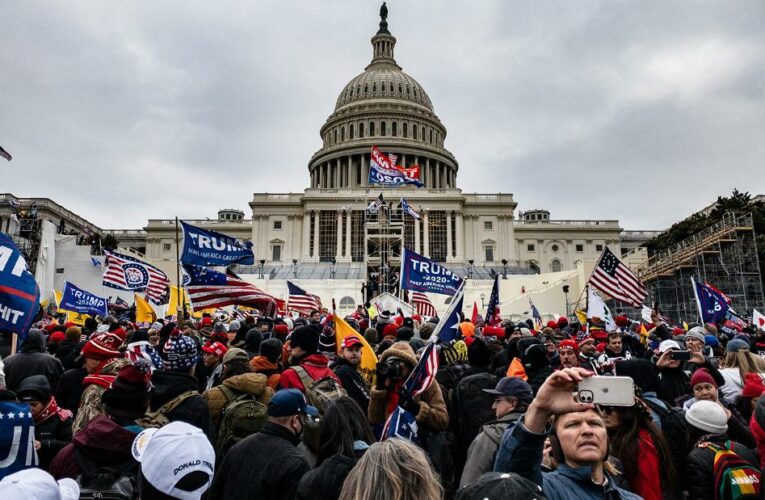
(449, 255)
(339, 251)
(306, 236)
(339, 174)
(315, 256)
(428, 183)
(348, 257)
(438, 174)
(257, 252)
(460, 237)
(364, 171)
(426, 235)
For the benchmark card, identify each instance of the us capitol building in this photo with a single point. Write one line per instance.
(326, 231)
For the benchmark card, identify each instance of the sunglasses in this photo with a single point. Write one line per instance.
(607, 409)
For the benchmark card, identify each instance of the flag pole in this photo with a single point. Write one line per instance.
(180, 296)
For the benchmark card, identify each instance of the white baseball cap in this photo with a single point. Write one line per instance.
(668, 344)
(38, 484)
(168, 454)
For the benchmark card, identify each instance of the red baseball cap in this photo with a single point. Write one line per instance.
(350, 341)
(214, 348)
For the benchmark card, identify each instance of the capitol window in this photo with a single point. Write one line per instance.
(414, 132)
(400, 89)
(423, 133)
(405, 129)
(383, 129)
(580, 248)
(598, 248)
(530, 247)
(487, 225)
(361, 130)
(555, 266)
(366, 89)
(371, 128)
(374, 87)
(407, 89)
(394, 129)
(166, 247)
(335, 139)
(555, 248)
(277, 224)
(342, 134)
(350, 131)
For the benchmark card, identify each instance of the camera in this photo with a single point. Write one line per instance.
(390, 369)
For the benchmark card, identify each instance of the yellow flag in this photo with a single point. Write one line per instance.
(582, 317)
(372, 312)
(643, 335)
(368, 362)
(685, 326)
(144, 313)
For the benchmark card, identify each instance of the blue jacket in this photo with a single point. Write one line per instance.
(523, 455)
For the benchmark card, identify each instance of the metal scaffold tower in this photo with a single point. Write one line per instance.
(384, 241)
(723, 255)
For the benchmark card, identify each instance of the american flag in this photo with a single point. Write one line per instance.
(617, 281)
(301, 301)
(124, 272)
(210, 289)
(492, 312)
(535, 314)
(422, 304)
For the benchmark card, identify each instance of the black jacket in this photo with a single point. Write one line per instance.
(326, 481)
(674, 384)
(69, 390)
(32, 360)
(166, 386)
(66, 352)
(53, 434)
(267, 465)
(352, 381)
(700, 466)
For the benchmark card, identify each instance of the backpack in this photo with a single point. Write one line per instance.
(114, 482)
(735, 478)
(242, 416)
(674, 428)
(159, 418)
(472, 406)
(321, 392)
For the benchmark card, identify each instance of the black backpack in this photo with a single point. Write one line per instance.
(674, 428)
(473, 405)
(107, 482)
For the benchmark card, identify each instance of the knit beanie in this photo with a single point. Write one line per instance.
(736, 345)
(220, 328)
(327, 342)
(711, 341)
(180, 353)
(102, 346)
(562, 322)
(707, 416)
(271, 349)
(416, 343)
(221, 337)
(281, 331)
(370, 335)
(234, 326)
(426, 330)
(695, 333)
(754, 385)
(128, 396)
(390, 330)
(456, 353)
(307, 338)
(56, 337)
(404, 334)
(479, 353)
(253, 340)
(569, 344)
(702, 376)
(493, 331)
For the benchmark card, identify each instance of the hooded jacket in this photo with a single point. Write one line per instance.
(32, 360)
(271, 369)
(67, 351)
(317, 367)
(352, 381)
(432, 406)
(483, 449)
(246, 383)
(102, 440)
(267, 465)
(168, 385)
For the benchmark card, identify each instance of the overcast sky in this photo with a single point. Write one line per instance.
(637, 111)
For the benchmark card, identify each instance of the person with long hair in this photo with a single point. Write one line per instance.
(645, 456)
(738, 361)
(394, 469)
(345, 436)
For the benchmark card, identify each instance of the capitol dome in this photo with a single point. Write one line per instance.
(387, 108)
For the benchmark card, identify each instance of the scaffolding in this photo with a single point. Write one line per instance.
(384, 233)
(723, 255)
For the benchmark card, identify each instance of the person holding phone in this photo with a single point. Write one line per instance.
(579, 443)
(674, 364)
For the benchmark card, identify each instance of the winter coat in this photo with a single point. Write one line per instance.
(32, 360)
(249, 383)
(54, 433)
(66, 352)
(759, 433)
(326, 481)
(69, 390)
(90, 402)
(267, 466)
(674, 383)
(166, 386)
(353, 382)
(733, 385)
(700, 466)
(261, 364)
(102, 440)
(537, 378)
(317, 367)
(565, 483)
(483, 449)
(647, 481)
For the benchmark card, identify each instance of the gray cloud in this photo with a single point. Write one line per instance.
(640, 111)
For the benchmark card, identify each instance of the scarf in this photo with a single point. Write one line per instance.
(393, 398)
(50, 410)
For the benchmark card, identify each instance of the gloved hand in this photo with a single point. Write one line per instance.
(409, 404)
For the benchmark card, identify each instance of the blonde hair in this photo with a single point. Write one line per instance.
(394, 469)
(745, 361)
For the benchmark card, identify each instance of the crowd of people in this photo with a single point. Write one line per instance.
(278, 408)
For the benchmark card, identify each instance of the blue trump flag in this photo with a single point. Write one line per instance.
(421, 274)
(713, 305)
(78, 300)
(383, 171)
(202, 247)
(19, 293)
(17, 438)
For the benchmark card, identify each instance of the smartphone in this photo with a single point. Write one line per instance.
(680, 355)
(607, 391)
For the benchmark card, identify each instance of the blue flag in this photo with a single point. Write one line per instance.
(448, 328)
(383, 171)
(421, 274)
(202, 247)
(401, 424)
(492, 312)
(19, 293)
(78, 300)
(713, 305)
(17, 438)
(407, 208)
